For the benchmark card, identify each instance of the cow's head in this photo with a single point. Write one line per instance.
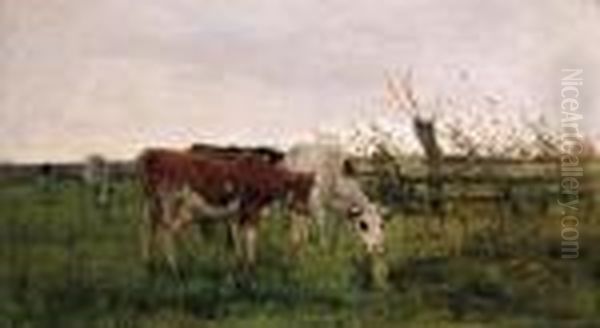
(363, 215)
(369, 225)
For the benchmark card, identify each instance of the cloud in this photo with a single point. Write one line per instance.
(112, 76)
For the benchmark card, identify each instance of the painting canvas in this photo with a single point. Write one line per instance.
(316, 163)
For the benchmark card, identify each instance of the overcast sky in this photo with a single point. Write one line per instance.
(112, 76)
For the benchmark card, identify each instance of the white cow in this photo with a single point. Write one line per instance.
(96, 174)
(335, 193)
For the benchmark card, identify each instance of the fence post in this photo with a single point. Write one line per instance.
(426, 134)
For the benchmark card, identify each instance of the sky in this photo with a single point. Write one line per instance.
(114, 76)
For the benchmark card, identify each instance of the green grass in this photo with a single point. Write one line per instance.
(66, 263)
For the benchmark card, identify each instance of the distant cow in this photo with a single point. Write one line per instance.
(337, 192)
(216, 187)
(47, 176)
(96, 174)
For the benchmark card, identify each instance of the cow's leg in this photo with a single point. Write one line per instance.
(244, 238)
(318, 213)
(247, 243)
(149, 231)
(167, 229)
(250, 244)
(236, 238)
(168, 243)
(298, 231)
(146, 233)
(232, 235)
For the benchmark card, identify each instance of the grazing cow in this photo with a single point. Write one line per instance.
(335, 191)
(173, 181)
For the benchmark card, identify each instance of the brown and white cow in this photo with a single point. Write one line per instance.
(217, 187)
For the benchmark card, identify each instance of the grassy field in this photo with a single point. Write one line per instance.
(64, 262)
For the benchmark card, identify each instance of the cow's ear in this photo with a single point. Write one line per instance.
(348, 168)
(354, 211)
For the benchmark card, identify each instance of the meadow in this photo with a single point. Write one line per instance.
(67, 262)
